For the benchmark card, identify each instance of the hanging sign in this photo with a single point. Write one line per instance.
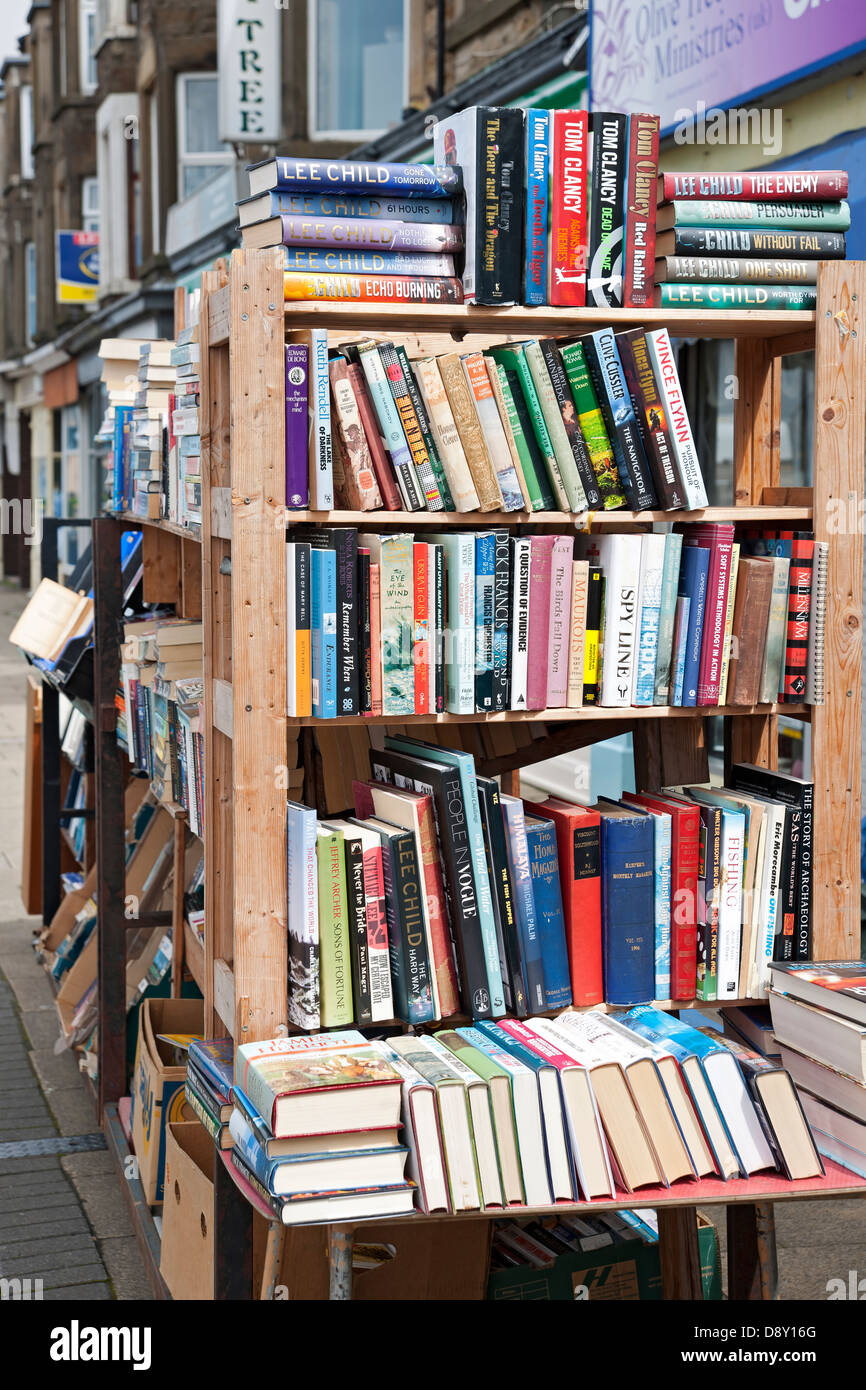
(77, 267)
(250, 71)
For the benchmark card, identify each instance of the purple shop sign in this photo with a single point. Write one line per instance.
(670, 55)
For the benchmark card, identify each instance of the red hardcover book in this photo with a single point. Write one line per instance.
(639, 252)
(685, 847)
(578, 851)
(540, 562)
(719, 539)
(774, 186)
(381, 467)
(375, 642)
(421, 632)
(569, 187)
(799, 611)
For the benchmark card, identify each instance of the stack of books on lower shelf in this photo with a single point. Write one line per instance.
(159, 708)
(316, 1128)
(209, 1078)
(144, 489)
(507, 1115)
(442, 895)
(183, 500)
(465, 622)
(747, 240)
(819, 1021)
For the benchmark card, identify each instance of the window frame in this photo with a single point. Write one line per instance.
(313, 132)
(30, 291)
(88, 183)
(87, 49)
(215, 159)
(25, 128)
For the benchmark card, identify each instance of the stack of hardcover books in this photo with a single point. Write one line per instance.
(146, 483)
(747, 240)
(442, 894)
(208, 1086)
(819, 1021)
(316, 1128)
(594, 424)
(386, 233)
(183, 492)
(466, 621)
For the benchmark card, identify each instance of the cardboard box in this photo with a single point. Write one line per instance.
(61, 923)
(186, 1260)
(436, 1260)
(157, 1085)
(627, 1272)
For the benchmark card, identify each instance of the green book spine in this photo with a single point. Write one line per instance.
(566, 480)
(676, 296)
(335, 984)
(592, 426)
(537, 493)
(424, 426)
(713, 212)
(396, 591)
(667, 616)
(516, 356)
(213, 1126)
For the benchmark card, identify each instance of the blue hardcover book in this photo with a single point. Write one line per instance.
(214, 1058)
(349, 176)
(485, 557)
(524, 900)
(652, 561)
(608, 377)
(537, 205)
(627, 904)
(724, 1080)
(693, 583)
(681, 637)
(547, 895)
(465, 764)
(121, 482)
(323, 624)
(662, 841)
(256, 1125)
(285, 203)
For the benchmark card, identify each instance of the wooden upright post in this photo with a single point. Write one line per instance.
(257, 364)
(840, 427)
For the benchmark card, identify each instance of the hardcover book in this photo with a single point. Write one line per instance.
(604, 283)
(831, 216)
(362, 490)
(627, 904)
(535, 235)
(297, 390)
(336, 1002)
(640, 218)
(568, 208)
(445, 434)
(608, 377)
(285, 173)
(750, 241)
(303, 917)
(547, 895)
(462, 402)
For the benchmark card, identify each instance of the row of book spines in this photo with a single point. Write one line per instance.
(598, 424)
(163, 743)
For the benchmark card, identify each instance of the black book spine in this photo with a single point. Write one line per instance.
(594, 616)
(803, 949)
(438, 649)
(443, 784)
(765, 242)
(364, 633)
(499, 193)
(501, 620)
(503, 897)
(651, 419)
(548, 501)
(358, 931)
(408, 890)
(794, 940)
(565, 401)
(608, 133)
(783, 946)
(605, 369)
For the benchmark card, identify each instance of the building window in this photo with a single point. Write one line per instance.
(25, 122)
(30, 289)
(90, 205)
(61, 46)
(200, 153)
(357, 66)
(86, 46)
(153, 150)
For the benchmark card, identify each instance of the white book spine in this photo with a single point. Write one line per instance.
(668, 382)
(620, 560)
(475, 371)
(817, 619)
(560, 622)
(730, 904)
(520, 622)
(564, 490)
(322, 470)
(303, 901)
(760, 978)
(729, 623)
(652, 563)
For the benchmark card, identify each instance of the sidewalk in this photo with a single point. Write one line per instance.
(62, 1216)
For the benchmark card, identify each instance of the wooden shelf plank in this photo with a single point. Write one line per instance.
(779, 516)
(627, 714)
(161, 524)
(520, 322)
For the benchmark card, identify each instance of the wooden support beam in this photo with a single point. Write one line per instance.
(161, 564)
(753, 1271)
(257, 364)
(665, 756)
(564, 740)
(679, 1255)
(840, 426)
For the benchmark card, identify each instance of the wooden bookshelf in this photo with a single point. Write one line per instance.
(251, 746)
